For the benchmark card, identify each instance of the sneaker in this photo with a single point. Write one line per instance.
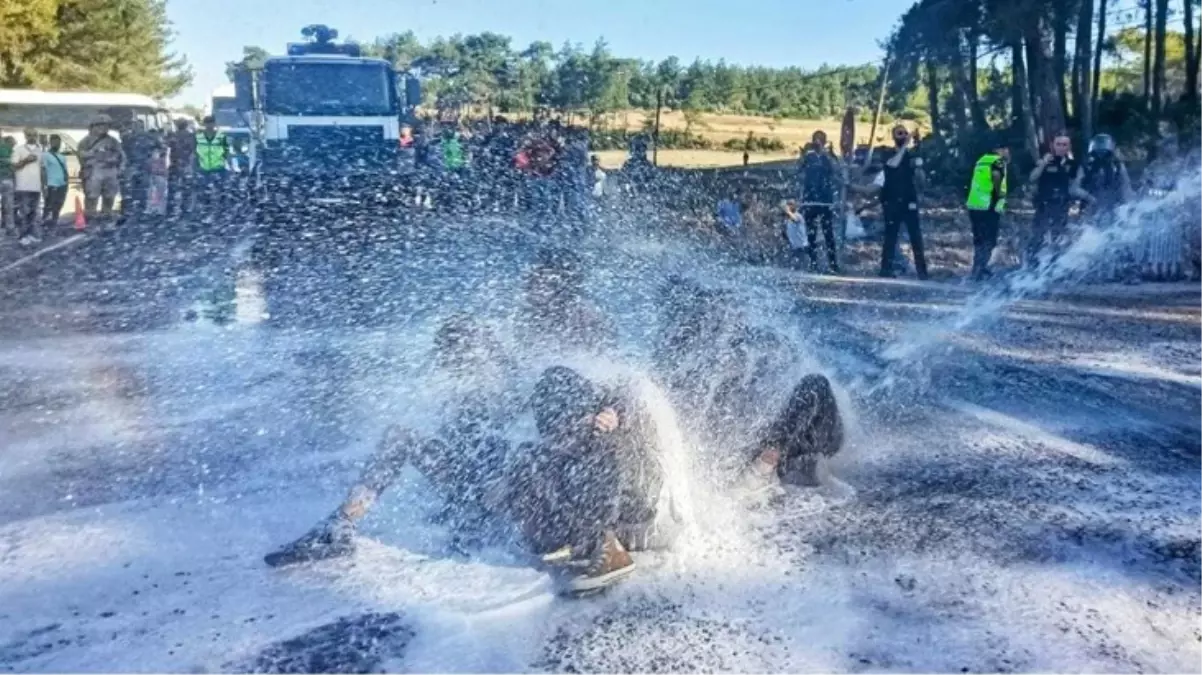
(334, 539)
(612, 564)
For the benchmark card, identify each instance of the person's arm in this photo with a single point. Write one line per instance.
(1037, 172)
(999, 175)
(1125, 183)
(1075, 189)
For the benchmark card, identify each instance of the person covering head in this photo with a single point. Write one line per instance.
(564, 404)
(901, 135)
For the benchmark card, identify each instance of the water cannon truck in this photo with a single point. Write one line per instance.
(325, 122)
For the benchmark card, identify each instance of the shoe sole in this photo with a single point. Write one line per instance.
(284, 559)
(588, 585)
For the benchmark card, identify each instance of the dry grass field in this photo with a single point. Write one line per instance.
(720, 128)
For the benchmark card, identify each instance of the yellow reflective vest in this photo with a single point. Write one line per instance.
(980, 193)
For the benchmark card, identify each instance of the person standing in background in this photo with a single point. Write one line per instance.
(181, 146)
(795, 233)
(821, 176)
(898, 185)
(7, 217)
(27, 188)
(54, 167)
(212, 159)
(986, 202)
(1052, 179)
(101, 160)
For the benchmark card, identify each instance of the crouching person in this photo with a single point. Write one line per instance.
(464, 462)
(592, 488)
(808, 429)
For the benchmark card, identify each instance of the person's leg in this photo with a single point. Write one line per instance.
(992, 226)
(1035, 239)
(977, 220)
(809, 215)
(53, 207)
(893, 223)
(807, 429)
(27, 214)
(8, 220)
(334, 536)
(914, 228)
(827, 220)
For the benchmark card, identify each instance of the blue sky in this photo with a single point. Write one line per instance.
(804, 33)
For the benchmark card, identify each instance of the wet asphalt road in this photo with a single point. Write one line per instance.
(1032, 478)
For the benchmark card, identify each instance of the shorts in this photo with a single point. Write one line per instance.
(103, 184)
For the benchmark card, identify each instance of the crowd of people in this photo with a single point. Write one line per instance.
(820, 196)
(152, 173)
(593, 486)
(542, 169)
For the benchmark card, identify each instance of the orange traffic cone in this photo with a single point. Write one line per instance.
(81, 221)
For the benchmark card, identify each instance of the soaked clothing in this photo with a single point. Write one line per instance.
(899, 208)
(578, 482)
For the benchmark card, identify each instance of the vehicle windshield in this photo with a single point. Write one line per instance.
(343, 89)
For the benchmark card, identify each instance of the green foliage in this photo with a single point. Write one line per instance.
(755, 143)
(89, 45)
(252, 57)
(486, 70)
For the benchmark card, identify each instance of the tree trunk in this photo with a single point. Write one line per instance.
(1082, 107)
(1060, 52)
(1096, 87)
(1051, 112)
(1148, 42)
(1024, 121)
(959, 100)
(933, 96)
(1191, 56)
(1031, 44)
(977, 112)
(1158, 67)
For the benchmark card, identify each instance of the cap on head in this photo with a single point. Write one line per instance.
(101, 119)
(209, 119)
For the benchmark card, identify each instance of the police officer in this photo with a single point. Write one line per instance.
(102, 161)
(212, 159)
(898, 185)
(986, 202)
(1104, 185)
(1053, 181)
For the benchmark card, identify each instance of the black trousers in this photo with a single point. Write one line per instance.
(985, 227)
(56, 198)
(821, 217)
(1048, 230)
(895, 217)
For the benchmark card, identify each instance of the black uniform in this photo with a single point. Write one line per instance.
(1052, 202)
(899, 206)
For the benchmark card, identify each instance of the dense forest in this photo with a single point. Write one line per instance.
(487, 71)
(98, 45)
(1027, 69)
(968, 71)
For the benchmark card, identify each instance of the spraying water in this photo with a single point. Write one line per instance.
(1057, 270)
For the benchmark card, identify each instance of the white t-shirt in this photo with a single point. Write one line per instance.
(598, 183)
(29, 177)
